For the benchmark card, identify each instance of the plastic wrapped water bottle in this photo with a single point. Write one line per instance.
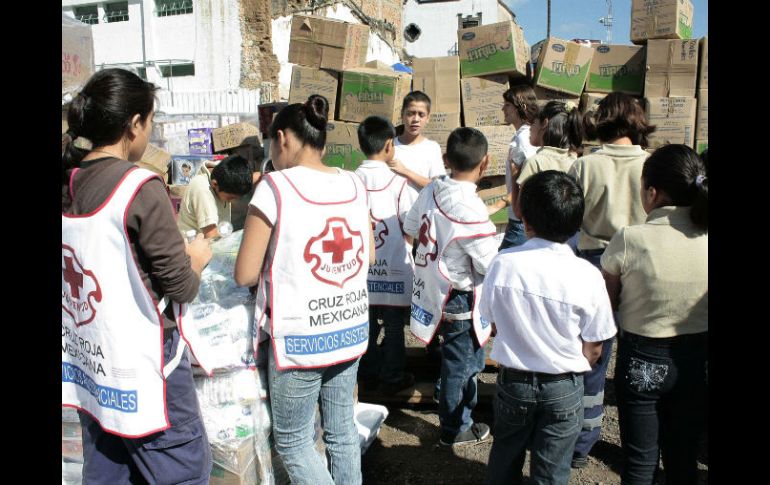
(190, 235)
(225, 228)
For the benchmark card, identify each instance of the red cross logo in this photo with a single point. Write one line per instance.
(80, 289)
(336, 254)
(338, 245)
(425, 244)
(379, 236)
(72, 277)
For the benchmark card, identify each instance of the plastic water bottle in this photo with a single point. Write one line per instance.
(225, 228)
(190, 235)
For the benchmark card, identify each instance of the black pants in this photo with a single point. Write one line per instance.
(661, 392)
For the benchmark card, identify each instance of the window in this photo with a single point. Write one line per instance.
(468, 21)
(412, 32)
(116, 12)
(142, 72)
(177, 70)
(87, 14)
(164, 8)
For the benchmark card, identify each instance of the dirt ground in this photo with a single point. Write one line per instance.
(407, 450)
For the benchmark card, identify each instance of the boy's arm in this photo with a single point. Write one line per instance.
(592, 351)
(481, 250)
(499, 204)
(413, 177)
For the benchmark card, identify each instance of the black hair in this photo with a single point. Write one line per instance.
(465, 148)
(307, 121)
(233, 175)
(373, 133)
(618, 115)
(524, 99)
(705, 158)
(552, 204)
(565, 128)
(415, 97)
(678, 172)
(102, 112)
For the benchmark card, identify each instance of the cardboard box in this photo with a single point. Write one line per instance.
(590, 101)
(223, 476)
(200, 140)
(176, 192)
(498, 142)
(617, 68)
(77, 55)
(366, 92)
(563, 66)
(233, 455)
(438, 134)
(326, 43)
(702, 117)
(342, 148)
(266, 112)
(545, 95)
(439, 78)
(375, 64)
(674, 119)
(491, 190)
(448, 121)
(661, 19)
(307, 80)
(672, 68)
(703, 64)
(701, 146)
(156, 160)
(483, 100)
(232, 136)
(493, 49)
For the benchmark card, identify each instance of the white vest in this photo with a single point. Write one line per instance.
(112, 329)
(317, 307)
(431, 286)
(390, 279)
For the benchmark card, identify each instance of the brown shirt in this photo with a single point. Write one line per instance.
(156, 243)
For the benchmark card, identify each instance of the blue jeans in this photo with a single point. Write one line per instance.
(662, 396)
(180, 454)
(461, 360)
(293, 396)
(545, 416)
(514, 235)
(386, 361)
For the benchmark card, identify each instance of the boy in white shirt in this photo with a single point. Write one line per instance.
(552, 313)
(417, 158)
(455, 244)
(390, 278)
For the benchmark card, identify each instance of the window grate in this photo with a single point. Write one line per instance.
(116, 12)
(87, 14)
(166, 8)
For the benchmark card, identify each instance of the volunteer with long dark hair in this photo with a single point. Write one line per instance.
(124, 364)
(309, 225)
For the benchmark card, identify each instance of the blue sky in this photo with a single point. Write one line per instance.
(580, 19)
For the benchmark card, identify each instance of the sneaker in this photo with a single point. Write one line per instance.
(477, 433)
(579, 461)
(390, 388)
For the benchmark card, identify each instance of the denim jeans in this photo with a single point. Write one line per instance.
(386, 361)
(593, 401)
(461, 360)
(544, 416)
(514, 235)
(661, 390)
(293, 397)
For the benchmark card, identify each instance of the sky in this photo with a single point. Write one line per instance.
(572, 19)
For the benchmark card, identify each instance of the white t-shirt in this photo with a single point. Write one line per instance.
(545, 302)
(313, 184)
(424, 158)
(519, 151)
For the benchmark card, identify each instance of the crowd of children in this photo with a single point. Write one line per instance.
(400, 240)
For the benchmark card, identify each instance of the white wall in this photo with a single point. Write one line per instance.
(438, 22)
(210, 37)
(378, 49)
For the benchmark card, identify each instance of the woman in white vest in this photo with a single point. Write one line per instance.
(122, 260)
(309, 225)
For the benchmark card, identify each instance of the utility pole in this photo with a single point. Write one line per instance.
(607, 21)
(548, 32)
